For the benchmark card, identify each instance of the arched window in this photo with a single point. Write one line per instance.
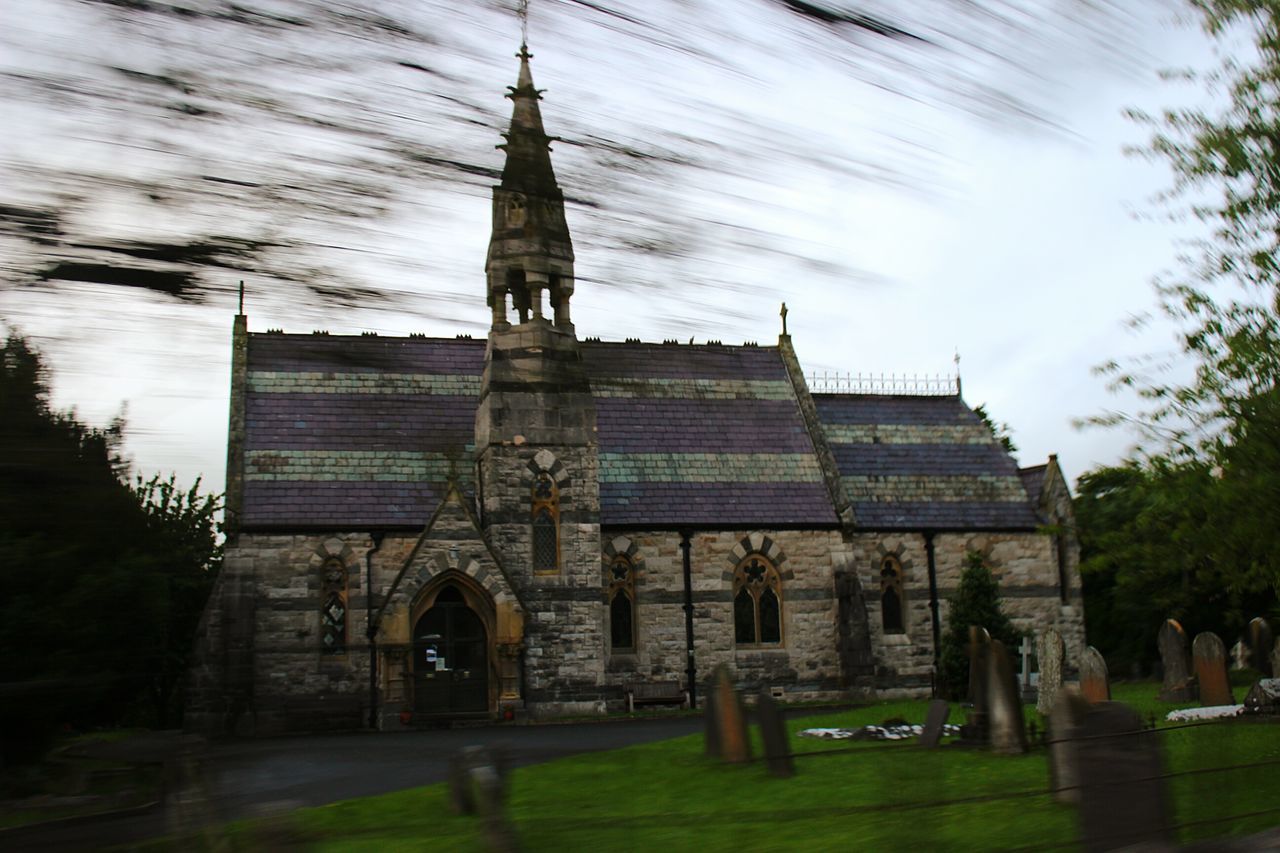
(622, 605)
(757, 603)
(546, 524)
(333, 610)
(891, 602)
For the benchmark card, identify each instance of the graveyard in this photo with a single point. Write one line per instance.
(1217, 782)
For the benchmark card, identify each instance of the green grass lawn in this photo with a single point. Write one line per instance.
(667, 796)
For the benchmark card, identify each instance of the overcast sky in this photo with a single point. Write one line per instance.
(908, 198)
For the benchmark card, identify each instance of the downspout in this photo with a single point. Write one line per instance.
(371, 630)
(691, 671)
(933, 607)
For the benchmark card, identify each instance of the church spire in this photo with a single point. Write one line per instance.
(530, 250)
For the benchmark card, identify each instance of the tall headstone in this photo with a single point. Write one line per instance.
(1052, 655)
(1260, 643)
(711, 720)
(1008, 730)
(1178, 685)
(1123, 800)
(773, 731)
(1210, 658)
(974, 731)
(735, 745)
(1275, 660)
(934, 722)
(1095, 685)
(1065, 717)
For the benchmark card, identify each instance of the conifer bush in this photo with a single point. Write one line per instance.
(976, 602)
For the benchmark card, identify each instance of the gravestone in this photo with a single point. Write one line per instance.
(731, 720)
(1052, 654)
(1264, 697)
(1210, 658)
(489, 789)
(1275, 660)
(773, 731)
(1239, 655)
(974, 731)
(464, 793)
(711, 720)
(1178, 685)
(1260, 643)
(939, 710)
(1094, 684)
(1006, 726)
(1123, 802)
(1064, 721)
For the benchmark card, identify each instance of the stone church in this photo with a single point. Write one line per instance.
(538, 524)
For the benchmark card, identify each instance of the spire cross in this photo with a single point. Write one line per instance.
(522, 9)
(783, 314)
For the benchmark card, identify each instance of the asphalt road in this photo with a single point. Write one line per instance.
(256, 777)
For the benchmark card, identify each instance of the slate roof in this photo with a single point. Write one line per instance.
(922, 462)
(1033, 481)
(347, 432)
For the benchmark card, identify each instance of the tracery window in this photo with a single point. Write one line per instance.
(891, 596)
(333, 611)
(621, 596)
(546, 524)
(757, 603)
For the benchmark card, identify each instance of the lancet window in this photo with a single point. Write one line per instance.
(333, 609)
(757, 603)
(546, 524)
(621, 596)
(891, 601)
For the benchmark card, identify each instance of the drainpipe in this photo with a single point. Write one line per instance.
(371, 630)
(933, 605)
(691, 671)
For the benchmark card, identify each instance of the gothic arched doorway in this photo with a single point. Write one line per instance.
(450, 658)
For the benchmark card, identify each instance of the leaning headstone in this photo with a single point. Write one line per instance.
(1178, 685)
(934, 721)
(1064, 722)
(1123, 800)
(1210, 658)
(1094, 684)
(1051, 653)
(731, 720)
(1264, 697)
(1260, 641)
(773, 731)
(1008, 730)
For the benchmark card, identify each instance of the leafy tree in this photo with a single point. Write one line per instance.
(1001, 432)
(1187, 529)
(976, 602)
(103, 582)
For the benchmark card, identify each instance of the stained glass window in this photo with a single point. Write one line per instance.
(546, 524)
(333, 612)
(757, 603)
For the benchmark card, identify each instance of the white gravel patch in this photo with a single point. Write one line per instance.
(1211, 712)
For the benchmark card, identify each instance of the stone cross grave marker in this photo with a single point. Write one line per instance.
(1239, 655)
(1024, 652)
(773, 731)
(1008, 730)
(1051, 653)
(1123, 802)
(1064, 722)
(1260, 642)
(735, 745)
(1094, 683)
(1178, 685)
(1210, 657)
(939, 710)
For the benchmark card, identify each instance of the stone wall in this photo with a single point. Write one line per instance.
(805, 665)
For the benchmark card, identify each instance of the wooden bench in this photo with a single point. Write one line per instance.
(656, 693)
